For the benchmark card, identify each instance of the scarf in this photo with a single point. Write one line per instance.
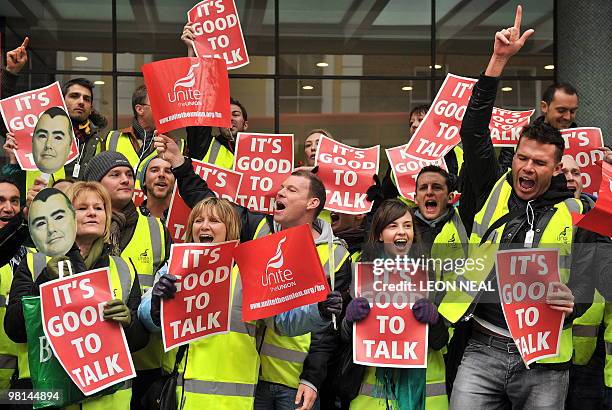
(94, 253)
(123, 224)
(433, 223)
(82, 130)
(403, 389)
(146, 137)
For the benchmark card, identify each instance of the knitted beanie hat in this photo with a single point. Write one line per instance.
(99, 165)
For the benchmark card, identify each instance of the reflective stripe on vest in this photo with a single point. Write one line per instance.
(146, 249)
(125, 277)
(145, 280)
(281, 353)
(2, 301)
(40, 263)
(370, 390)
(216, 388)
(435, 389)
(113, 141)
(8, 362)
(156, 241)
(219, 155)
(263, 229)
(585, 330)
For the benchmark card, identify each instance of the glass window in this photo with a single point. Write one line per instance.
(64, 35)
(257, 97)
(357, 112)
(151, 31)
(382, 38)
(521, 95)
(465, 33)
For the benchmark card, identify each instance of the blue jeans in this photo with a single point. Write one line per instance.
(492, 378)
(272, 396)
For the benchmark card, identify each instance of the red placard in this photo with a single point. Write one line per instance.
(188, 91)
(20, 113)
(94, 352)
(280, 272)
(265, 161)
(139, 197)
(506, 126)
(584, 145)
(438, 133)
(223, 182)
(218, 33)
(406, 168)
(524, 277)
(201, 305)
(598, 219)
(347, 173)
(390, 336)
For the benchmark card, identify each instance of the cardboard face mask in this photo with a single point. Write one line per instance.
(52, 222)
(52, 140)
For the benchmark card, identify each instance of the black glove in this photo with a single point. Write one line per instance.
(164, 288)
(331, 306)
(375, 192)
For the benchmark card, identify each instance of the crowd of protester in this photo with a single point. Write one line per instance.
(298, 359)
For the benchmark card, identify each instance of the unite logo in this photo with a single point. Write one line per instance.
(275, 276)
(189, 95)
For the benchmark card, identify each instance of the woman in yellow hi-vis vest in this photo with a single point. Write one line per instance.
(91, 207)
(392, 235)
(219, 371)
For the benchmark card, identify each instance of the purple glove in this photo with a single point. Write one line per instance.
(357, 310)
(163, 289)
(425, 312)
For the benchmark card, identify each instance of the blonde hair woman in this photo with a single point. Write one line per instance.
(92, 208)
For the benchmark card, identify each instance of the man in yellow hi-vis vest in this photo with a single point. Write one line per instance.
(529, 207)
(135, 141)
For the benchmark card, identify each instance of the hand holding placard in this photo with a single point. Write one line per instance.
(534, 301)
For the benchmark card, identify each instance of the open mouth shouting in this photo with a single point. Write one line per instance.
(206, 238)
(279, 206)
(431, 206)
(399, 246)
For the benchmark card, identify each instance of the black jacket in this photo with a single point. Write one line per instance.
(12, 236)
(23, 285)
(482, 170)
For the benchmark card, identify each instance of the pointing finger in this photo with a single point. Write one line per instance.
(518, 17)
(25, 43)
